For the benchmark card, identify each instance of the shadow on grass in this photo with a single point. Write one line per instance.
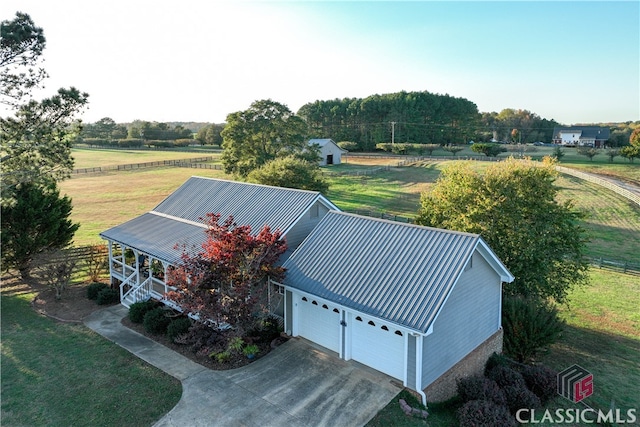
(612, 359)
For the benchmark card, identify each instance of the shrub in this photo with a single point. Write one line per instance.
(108, 296)
(541, 380)
(156, 321)
(267, 330)
(530, 325)
(384, 146)
(178, 327)
(479, 387)
(348, 145)
(221, 357)
(236, 344)
(96, 262)
(506, 377)
(251, 349)
(497, 359)
(201, 339)
(482, 413)
(137, 310)
(519, 396)
(184, 142)
(94, 289)
(129, 143)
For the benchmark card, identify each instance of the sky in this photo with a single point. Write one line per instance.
(194, 60)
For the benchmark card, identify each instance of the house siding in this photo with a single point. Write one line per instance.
(305, 224)
(470, 316)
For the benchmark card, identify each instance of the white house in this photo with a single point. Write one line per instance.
(410, 301)
(142, 249)
(581, 136)
(330, 152)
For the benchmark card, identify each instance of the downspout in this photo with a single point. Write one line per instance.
(419, 344)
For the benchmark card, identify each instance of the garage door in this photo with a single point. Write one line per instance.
(378, 345)
(319, 322)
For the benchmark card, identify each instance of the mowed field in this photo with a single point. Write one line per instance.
(103, 201)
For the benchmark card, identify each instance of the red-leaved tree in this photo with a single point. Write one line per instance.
(227, 283)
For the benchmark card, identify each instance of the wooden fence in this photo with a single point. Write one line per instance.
(132, 166)
(602, 182)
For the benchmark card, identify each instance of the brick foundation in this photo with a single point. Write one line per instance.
(445, 386)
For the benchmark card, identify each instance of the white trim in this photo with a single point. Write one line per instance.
(402, 328)
(183, 220)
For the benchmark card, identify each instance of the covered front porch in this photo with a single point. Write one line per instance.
(139, 275)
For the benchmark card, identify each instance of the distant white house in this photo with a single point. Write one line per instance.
(581, 136)
(329, 151)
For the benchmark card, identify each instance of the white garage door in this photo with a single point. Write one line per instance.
(319, 322)
(378, 345)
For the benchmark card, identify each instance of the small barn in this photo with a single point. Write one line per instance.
(330, 152)
(410, 301)
(142, 249)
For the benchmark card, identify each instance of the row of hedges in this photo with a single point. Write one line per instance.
(136, 143)
(493, 399)
(406, 148)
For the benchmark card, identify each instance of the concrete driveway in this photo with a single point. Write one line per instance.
(297, 384)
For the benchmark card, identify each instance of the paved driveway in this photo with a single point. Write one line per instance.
(297, 384)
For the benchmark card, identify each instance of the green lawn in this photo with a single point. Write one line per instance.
(56, 374)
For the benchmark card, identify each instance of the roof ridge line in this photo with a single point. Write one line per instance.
(177, 218)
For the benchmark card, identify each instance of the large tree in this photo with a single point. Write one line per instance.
(227, 282)
(290, 172)
(263, 132)
(35, 143)
(513, 206)
(36, 222)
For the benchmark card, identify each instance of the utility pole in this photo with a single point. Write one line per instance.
(393, 132)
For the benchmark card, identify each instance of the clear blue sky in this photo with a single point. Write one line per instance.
(195, 60)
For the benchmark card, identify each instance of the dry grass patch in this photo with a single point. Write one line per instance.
(106, 200)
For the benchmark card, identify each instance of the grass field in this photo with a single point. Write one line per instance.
(603, 333)
(91, 158)
(57, 374)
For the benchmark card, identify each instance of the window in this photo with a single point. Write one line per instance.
(398, 333)
(304, 299)
(314, 302)
(335, 310)
(359, 319)
(371, 323)
(325, 306)
(384, 328)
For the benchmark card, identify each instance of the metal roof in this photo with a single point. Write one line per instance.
(400, 272)
(179, 218)
(157, 235)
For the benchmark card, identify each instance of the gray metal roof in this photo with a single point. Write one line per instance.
(177, 219)
(250, 204)
(396, 271)
(163, 238)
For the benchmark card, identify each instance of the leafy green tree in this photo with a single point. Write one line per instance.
(630, 152)
(612, 153)
(210, 135)
(513, 206)
(558, 153)
(291, 172)
(453, 149)
(589, 152)
(36, 222)
(35, 144)
(634, 139)
(488, 149)
(263, 132)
